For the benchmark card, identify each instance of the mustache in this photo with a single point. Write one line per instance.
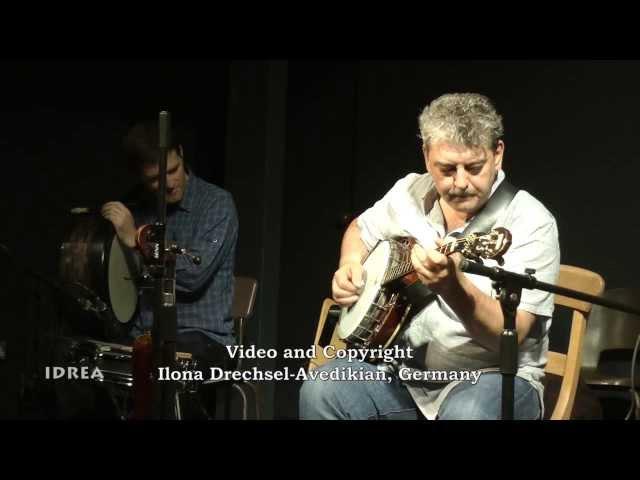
(461, 194)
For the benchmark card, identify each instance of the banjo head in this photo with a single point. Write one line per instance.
(375, 268)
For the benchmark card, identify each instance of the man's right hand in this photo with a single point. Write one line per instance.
(122, 221)
(348, 282)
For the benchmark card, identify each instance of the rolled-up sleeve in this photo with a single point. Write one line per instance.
(384, 219)
(536, 247)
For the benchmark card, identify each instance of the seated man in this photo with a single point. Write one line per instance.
(460, 330)
(202, 218)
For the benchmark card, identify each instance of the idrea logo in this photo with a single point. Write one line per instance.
(73, 373)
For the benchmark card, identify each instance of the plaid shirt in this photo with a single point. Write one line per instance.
(205, 222)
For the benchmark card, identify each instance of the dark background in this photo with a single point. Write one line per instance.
(301, 145)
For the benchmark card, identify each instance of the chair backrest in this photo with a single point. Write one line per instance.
(320, 358)
(611, 329)
(568, 365)
(244, 298)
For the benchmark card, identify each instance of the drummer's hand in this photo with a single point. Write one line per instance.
(122, 221)
(348, 282)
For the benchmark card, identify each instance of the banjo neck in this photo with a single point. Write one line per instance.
(405, 267)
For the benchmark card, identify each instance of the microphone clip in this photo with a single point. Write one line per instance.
(148, 242)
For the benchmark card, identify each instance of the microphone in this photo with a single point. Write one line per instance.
(164, 122)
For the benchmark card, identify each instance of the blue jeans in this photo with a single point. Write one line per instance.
(375, 400)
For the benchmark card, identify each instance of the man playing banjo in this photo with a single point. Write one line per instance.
(463, 147)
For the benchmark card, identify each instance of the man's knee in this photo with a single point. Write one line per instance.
(327, 399)
(483, 401)
(315, 399)
(467, 407)
(311, 391)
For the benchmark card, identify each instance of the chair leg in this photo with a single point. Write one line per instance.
(227, 398)
(244, 399)
(178, 408)
(227, 401)
(257, 398)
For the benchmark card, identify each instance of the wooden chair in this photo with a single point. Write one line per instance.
(567, 366)
(323, 331)
(563, 368)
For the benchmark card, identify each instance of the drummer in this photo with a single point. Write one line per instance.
(202, 218)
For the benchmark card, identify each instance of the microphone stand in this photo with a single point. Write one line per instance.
(165, 318)
(161, 263)
(509, 286)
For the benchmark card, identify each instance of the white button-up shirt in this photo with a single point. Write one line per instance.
(438, 337)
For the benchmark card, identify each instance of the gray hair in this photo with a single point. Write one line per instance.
(466, 119)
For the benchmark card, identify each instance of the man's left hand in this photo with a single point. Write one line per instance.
(437, 271)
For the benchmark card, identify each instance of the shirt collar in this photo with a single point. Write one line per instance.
(434, 211)
(189, 197)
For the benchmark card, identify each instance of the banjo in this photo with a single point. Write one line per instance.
(389, 293)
